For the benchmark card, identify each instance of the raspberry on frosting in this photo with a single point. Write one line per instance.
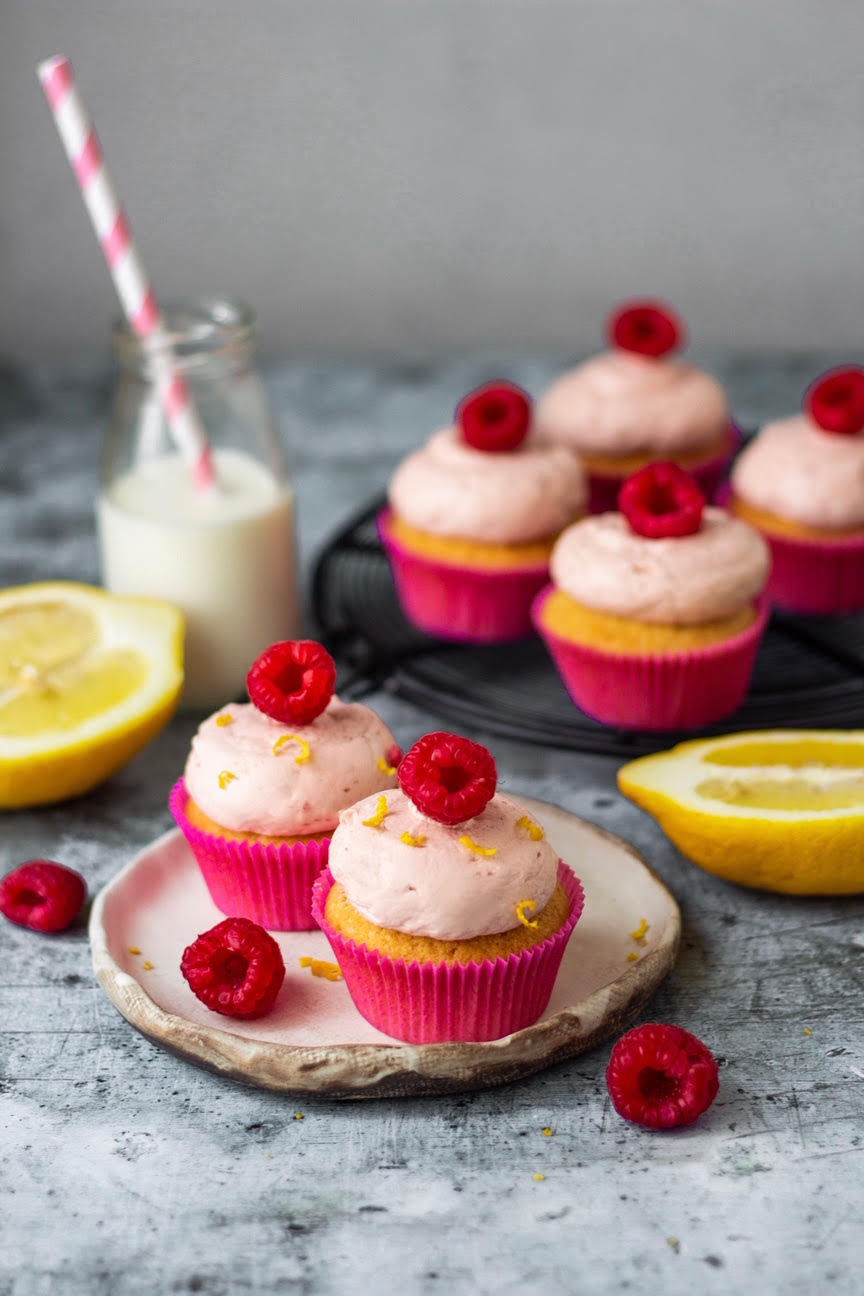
(448, 778)
(648, 328)
(662, 500)
(495, 417)
(292, 681)
(835, 402)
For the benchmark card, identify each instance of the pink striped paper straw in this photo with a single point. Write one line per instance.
(133, 287)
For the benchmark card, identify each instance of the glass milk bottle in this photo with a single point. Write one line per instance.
(226, 556)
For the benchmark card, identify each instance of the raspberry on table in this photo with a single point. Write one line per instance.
(42, 895)
(448, 778)
(835, 402)
(661, 500)
(495, 417)
(292, 681)
(661, 1076)
(647, 328)
(235, 968)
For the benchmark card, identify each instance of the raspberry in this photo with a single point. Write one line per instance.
(495, 417)
(292, 681)
(835, 402)
(394, 756)
(647, 327)
(448, 778)
(661, 500)
(661, 1076)
(235, 968)
(43, 896)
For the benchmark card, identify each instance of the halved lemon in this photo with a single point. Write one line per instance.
(780, 810)
(86, 679)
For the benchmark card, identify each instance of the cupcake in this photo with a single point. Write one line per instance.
(654, 615)
(266, 780)
(629, 406)
(447, 909)
(801, 482)
(473, 516)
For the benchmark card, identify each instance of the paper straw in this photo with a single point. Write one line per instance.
(133, 287)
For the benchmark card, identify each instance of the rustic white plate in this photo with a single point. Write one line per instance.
(314, 1041)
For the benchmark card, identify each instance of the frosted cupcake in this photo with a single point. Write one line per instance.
(654, 615)
(634, 404)
(447, 909)
(265, 782)
(473, 516)
(801, 482)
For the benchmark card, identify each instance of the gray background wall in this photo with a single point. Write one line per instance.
(435, 174)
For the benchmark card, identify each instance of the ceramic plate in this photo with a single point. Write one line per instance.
(315, 1042)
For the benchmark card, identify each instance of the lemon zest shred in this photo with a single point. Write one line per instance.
(224, 719)
(632, 958)
(639, 934)
(133, 949)
(807, 1030)
(538, 1178)
(520, 913)
(389, 770)
(299, 1116)
(381, 812)
(226, 777)
(292, 737)
(534, 831)
(407, 840)
(475, 849)
(321, 968)
(147, 965)
(547, 1131)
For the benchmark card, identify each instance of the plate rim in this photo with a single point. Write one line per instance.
(387, 1070)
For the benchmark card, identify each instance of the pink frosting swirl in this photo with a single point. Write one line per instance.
(796, 471)
(447, 488)
(270, 792)
(442, 888)
(683, 580)
(619, 403)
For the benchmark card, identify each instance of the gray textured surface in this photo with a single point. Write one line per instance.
(125, 1171)
(435, 174)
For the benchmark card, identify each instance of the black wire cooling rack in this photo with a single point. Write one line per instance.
(809, 673)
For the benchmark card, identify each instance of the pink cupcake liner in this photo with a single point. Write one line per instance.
(454, 601)
(270, 884)
(816, 577)
(437, 1003)
(656, 691)
(603, 488)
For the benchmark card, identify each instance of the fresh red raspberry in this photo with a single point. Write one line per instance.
(495, 417)
(835, 402)
(394, 756)
(661, 500)
(661, 1076)
(647, 327)
(292, 681)
(448, 778)
(235, 968)
(43, 896)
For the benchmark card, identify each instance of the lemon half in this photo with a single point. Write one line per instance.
(86, 679)
(780, 810)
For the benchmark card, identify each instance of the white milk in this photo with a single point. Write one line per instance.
(225, 557)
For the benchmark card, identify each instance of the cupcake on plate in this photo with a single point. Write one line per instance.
(655, 612)
(266, 780)
(801, 482)
(634, 404)
(447, 909)
(473, 516)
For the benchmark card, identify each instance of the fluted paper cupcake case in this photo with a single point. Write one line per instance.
(710, 475)
(271, 884)
(816, 577)
(455, 601)
(436, 1003)
(656, 691)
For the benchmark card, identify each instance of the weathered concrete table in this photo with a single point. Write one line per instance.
(124, 1170)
